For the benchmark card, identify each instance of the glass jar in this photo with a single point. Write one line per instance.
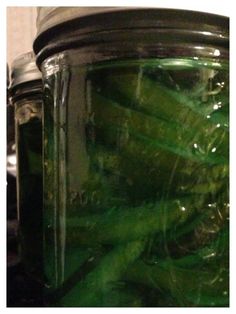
(11, 153)
(136, 165)
(26, 97)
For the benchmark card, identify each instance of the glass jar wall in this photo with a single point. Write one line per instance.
(26, 96)
(136, 166)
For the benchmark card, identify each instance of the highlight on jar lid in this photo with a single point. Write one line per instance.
(48, 17)
(24, 69)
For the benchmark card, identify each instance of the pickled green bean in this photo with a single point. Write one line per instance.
(99, 281)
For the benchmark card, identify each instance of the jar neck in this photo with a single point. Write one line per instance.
(179, 55)
(147, 31)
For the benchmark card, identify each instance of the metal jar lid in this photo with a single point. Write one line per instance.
(24, 69)
(48, 17)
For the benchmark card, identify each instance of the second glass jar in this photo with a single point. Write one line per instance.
(26, 97)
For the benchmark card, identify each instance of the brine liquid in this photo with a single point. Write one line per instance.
(136, 183)
(29, 183)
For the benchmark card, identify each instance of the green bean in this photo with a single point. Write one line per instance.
(156, 99)
(103, 278)
(214, 250)
(119, 225)
(195, 286)
(160, 134)
(144, 173)
(183, 276)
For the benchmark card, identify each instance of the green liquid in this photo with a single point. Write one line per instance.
(29, 135)
(136, 172)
